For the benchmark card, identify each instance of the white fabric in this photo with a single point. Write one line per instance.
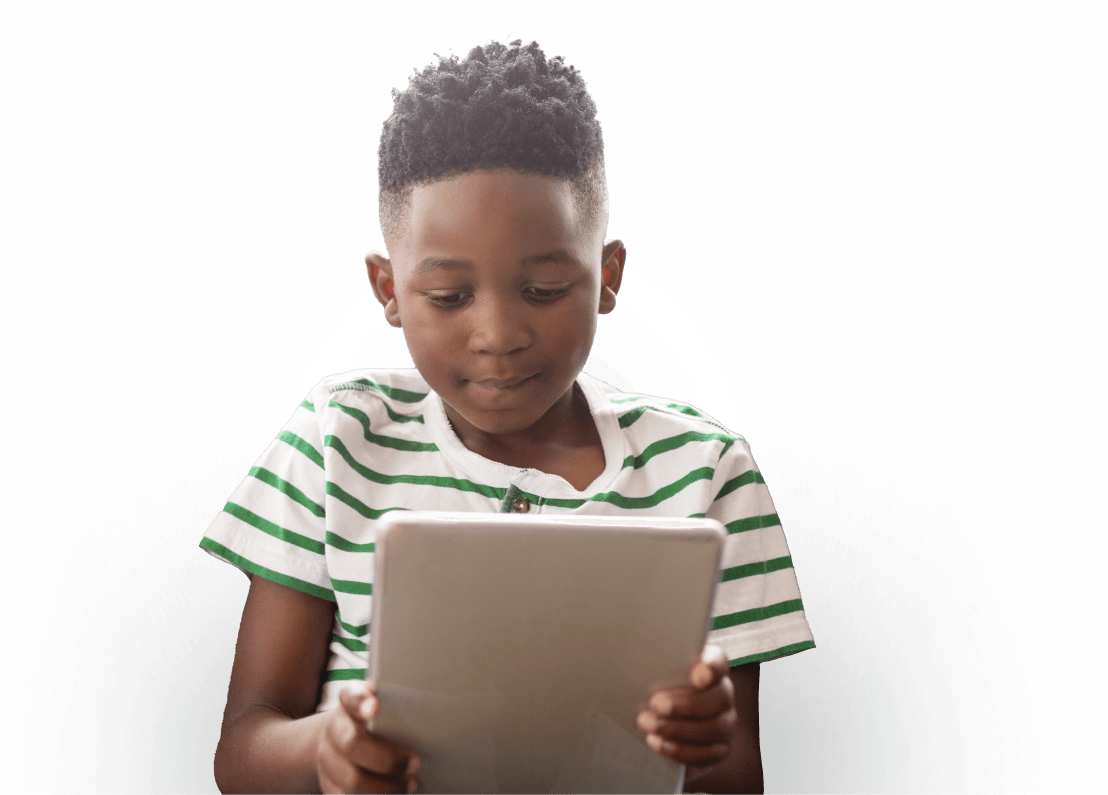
(385, 444)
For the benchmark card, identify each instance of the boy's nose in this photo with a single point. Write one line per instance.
(498, 328)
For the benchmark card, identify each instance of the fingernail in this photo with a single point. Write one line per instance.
(654, 741)
(413, 765)
(701, 676)
(369, 708)
(413, 785)
(648, 722)
(662, 704)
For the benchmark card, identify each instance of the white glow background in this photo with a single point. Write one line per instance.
(767, 284)
(740, 296)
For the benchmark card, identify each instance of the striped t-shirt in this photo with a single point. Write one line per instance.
(368, 442)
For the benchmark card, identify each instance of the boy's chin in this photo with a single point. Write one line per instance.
(495, 422)
(499, 416)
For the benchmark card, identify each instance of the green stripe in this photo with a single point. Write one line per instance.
(629, 399)
(306, 405)
(350, 643)
(750, 476)
(687, 410)
(352, 586)
(617, 499)
(563, 503)
(403, 395)
(756, 614)
(628, 419)
(293, 440)
(391, 442)
(359, 630)
(336, 491)
(752, 523)
(397, 417)
(336, 444)
(286, 488)
(631, 417)
(792, 648)
(751, 569)
(675, 443)
(344, 673)
(338, 542)
(269, 574)
(266, 526)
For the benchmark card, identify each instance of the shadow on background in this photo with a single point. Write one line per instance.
(915, 729)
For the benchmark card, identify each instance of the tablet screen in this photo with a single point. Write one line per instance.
(513, 653)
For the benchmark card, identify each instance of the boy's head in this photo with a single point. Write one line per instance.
(499, 108)
(494, 211)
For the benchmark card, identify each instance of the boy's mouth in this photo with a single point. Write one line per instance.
(504, 383)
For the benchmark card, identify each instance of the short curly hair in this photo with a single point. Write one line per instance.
(502, 107)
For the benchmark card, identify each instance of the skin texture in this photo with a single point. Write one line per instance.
(497, 288)
(494, 316)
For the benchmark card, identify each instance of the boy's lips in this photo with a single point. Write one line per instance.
(503, 383)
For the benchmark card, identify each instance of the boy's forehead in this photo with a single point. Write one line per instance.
(502, 211)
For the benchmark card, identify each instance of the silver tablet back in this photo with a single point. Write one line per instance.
(513, 652)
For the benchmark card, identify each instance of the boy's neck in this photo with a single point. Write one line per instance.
(558, 443)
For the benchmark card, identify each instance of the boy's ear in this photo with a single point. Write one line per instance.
(611, 274)
(380, 279)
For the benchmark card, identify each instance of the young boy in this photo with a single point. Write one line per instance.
(494, 213)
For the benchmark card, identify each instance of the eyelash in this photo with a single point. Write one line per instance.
(538, 295)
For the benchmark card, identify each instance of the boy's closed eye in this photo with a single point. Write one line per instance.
(538, 295)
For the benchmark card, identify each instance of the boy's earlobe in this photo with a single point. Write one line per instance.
(379, 269)
(611, 274)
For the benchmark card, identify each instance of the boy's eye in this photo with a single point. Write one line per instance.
(546, 296)
(448, 301)
(539, 295)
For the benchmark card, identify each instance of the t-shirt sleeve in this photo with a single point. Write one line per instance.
(273, 524)
(758, 614)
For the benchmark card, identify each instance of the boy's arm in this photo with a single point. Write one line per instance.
(270, 730)
(741, 771)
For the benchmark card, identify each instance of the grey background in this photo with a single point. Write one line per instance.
(978, 125)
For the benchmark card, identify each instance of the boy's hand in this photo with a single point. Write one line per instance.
(351, 759)
(693, 725)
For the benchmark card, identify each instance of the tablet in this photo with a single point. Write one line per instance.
(512, 653)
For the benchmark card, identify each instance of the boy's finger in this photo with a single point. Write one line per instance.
(695, 755)
(376, 755)
(699, 732)
(687, 702)
(339, 775)
(352, 698)
(368, 709)
(710, 669)
(349, 741)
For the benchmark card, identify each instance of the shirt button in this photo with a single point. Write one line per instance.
(520, 505)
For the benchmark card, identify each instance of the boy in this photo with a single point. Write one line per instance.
(494, 213)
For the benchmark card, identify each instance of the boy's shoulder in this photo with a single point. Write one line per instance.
(396, 391)
(653, 414)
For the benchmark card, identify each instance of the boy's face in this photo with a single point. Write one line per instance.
(497, 287)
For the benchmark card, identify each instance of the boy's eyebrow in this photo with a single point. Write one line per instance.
(558, 256)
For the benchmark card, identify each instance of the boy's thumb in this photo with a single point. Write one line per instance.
(711, 668)
(352, 697)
